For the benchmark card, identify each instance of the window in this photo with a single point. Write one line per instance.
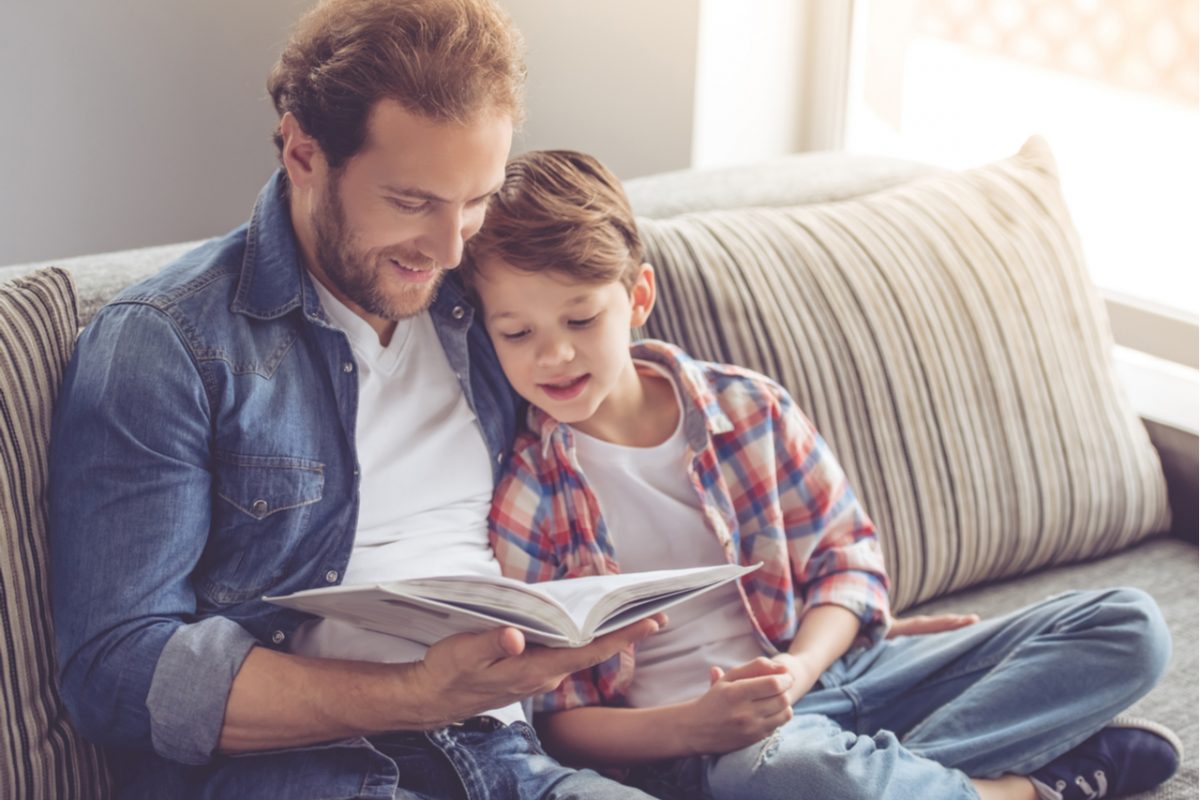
(1111, 85)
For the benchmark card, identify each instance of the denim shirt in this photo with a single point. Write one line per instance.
(203, 456)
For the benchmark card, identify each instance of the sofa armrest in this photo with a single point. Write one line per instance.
(1178, 451)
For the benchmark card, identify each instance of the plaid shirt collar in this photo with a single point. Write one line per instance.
(702, 414)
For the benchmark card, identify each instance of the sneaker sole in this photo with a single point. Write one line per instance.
(1128, 721)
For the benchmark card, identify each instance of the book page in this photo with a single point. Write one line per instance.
(592, 599)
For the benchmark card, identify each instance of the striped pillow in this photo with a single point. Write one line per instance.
(944, 337)
(42, 756)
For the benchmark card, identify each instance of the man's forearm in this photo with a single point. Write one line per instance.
(280, 700)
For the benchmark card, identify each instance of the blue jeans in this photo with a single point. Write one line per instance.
(913, 717)
(480, 760)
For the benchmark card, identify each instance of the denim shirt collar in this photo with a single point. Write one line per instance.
(274, 280)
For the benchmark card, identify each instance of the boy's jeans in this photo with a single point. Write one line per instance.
(913, 717)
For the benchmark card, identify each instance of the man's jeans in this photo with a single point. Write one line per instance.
(913, 717)
(479, 760)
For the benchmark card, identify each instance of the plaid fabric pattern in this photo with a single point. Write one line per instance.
(770, 491)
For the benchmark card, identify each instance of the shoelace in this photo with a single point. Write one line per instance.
(1099, 792)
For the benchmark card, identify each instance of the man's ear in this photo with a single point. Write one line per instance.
(641, 295)
(302, 156)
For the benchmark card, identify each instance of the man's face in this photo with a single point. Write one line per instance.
(389, 223)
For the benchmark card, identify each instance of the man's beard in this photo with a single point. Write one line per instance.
(359, 275)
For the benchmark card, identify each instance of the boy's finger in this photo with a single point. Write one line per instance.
(715, 674)
(755, 669)
(761, 688)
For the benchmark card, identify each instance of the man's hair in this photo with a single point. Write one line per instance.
(564, 211)
(447, 60)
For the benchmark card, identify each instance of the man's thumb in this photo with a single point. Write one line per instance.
(510, 641)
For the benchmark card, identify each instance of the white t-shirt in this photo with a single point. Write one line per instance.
(426, 480)
(654, 518)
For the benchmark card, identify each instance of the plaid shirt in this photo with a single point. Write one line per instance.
(769, 489)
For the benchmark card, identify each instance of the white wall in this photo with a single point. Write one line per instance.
(771, 79)
(132, 122)
(126, 123)
(614, 78)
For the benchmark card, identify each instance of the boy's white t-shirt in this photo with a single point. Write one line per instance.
(426, 480)
(654, 518)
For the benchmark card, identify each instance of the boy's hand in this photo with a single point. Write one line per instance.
(803, 671)
(470, 673)
(741, 707)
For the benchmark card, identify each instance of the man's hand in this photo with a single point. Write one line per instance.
(926, 623)
(741, 707)
(470, 673)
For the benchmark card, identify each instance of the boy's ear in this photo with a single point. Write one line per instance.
(641, 295)
(302, 156)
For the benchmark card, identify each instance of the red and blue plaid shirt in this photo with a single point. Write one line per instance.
(769, 489)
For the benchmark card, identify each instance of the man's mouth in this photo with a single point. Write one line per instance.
(413, 274)
(565, 389)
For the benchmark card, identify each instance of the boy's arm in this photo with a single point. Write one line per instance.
(741, 707)
(836, 560)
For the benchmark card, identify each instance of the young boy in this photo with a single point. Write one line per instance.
(639, 457)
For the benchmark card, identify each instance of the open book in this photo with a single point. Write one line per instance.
(563, 613)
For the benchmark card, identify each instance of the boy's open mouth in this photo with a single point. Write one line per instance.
(565, 390)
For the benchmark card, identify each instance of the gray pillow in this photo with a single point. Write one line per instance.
(42, 757)
(944, 337)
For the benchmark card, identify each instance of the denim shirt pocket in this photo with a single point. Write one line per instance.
(260, 514)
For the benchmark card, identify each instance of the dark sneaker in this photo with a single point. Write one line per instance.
(1128, 756)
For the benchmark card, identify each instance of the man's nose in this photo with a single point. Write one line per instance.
(443, 240)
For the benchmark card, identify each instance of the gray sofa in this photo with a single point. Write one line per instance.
(979, 524)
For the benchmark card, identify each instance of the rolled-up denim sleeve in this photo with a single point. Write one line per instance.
(130, 507)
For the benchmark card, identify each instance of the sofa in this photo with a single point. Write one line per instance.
(937, 326)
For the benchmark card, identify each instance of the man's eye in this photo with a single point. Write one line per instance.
(406, 207)
(582, 323)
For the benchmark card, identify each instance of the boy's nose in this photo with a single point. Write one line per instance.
(552, 352)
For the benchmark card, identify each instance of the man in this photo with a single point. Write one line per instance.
(304, 402)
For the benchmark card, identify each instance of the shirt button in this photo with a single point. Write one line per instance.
(331, 576)
(260, 507)
(277, 637)
(348, 366)
(459, 312)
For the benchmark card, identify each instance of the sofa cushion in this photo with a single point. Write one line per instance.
(42, 756)
(944, 337)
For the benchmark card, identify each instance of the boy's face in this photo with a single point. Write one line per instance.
(564, 345)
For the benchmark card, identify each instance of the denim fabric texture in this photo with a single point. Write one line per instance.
(914, 717)
(480, 760)
(203, 456)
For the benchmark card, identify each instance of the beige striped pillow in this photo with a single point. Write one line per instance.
(944, 337)
(42, 757)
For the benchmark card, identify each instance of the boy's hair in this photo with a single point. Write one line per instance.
(446, 60)
(563, 211)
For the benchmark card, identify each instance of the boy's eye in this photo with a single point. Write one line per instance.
(515, 336)
(582, 323)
